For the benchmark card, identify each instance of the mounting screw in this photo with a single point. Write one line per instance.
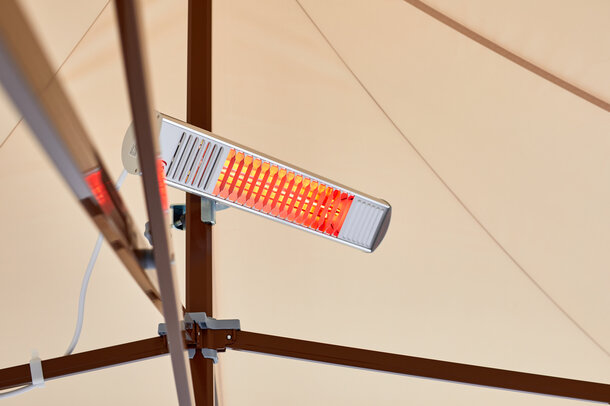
(229, 336)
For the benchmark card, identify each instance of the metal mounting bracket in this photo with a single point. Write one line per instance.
(210, 354)
(209, 323)
(162, 329)
(193, 324)
(206, 352)
(209, 208)
(178, 215)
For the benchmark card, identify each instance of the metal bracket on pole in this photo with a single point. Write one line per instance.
(209, 208)
(192, 326)
(197, 321)
(162, 329)
(210, 354)
(178, 216)
(209, 323)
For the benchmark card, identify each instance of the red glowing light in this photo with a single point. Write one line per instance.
(162, 187)
(282, 193)
(99, 191)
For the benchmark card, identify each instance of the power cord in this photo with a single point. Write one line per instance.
(81, 301)
(85, 284)
(16, 392)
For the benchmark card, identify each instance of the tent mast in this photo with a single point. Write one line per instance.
(199, 234)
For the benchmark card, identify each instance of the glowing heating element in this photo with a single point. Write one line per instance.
(282, 193)
(205, 164)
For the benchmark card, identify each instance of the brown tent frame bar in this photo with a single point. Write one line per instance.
(43, 103)
(416, 366)
(221, 340)
(86, 361)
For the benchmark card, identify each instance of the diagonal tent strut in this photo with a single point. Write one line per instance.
(154, 189)
(27, 76)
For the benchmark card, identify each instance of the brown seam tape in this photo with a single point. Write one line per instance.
(509, 55)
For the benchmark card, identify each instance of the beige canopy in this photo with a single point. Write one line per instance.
(498, 253)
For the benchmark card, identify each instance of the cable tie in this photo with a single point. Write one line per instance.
(36, 370)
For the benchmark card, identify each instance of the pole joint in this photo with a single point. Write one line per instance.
(206, 334)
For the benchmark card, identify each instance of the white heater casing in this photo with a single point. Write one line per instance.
(194, 159)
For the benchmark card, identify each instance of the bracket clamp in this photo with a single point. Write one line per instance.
(162, 328)
(209, 323)
(209, 208)
(210, 354)
(206, 352)
(193, 325)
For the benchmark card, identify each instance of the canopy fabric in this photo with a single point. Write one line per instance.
(497, 253)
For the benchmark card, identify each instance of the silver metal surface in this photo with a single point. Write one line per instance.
(179, 140)
(210, 354)
(208, 211)
(211, 323)
(184, 148)
(230, 144)
(279, 220)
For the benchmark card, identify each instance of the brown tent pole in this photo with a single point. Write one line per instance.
(199, 234)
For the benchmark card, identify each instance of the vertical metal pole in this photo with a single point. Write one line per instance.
(198, 234)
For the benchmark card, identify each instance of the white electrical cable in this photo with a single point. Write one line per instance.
(85, 284)
(83, 293)
(15, 392)
(81, 300)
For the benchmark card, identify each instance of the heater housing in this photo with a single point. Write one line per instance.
(202, 163)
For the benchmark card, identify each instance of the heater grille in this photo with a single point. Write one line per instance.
(202, 163)
(281, 192)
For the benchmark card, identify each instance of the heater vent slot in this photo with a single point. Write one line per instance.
(176, 156)
(362, 222)
(211, 165)
(195, 162)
